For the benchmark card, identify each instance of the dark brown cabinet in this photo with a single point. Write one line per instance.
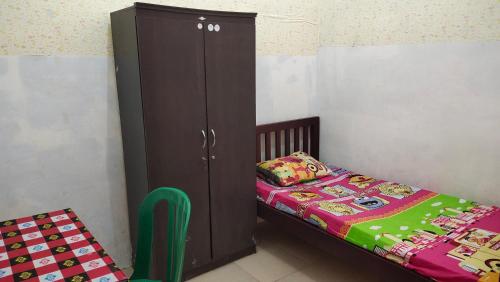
(186, 86)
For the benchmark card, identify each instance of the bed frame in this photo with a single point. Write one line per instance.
(278, 139)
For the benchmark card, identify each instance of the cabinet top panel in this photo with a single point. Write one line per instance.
(156, 7)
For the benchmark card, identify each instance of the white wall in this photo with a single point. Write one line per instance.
(409, 91)
(426, 115)
(60, 135)
(285, 87)
(61, 146)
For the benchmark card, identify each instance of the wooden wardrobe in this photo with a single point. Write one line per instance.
(186, 88)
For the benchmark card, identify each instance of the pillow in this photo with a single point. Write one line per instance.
(295, 168)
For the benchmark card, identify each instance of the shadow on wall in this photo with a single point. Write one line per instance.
(114, 163)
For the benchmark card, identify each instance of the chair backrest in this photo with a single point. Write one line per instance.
(179, 210)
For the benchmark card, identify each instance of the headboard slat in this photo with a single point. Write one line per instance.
(315, 140)
(309, 138)
(268, 146)
(305, 138)
(277, 143)
(296, 141)
(287, 141)
(258, 148)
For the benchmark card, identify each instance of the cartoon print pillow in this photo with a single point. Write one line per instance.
(295, 168)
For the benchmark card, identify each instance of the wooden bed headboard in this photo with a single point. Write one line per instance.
(282, 138)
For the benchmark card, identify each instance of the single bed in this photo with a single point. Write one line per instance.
(398, 232)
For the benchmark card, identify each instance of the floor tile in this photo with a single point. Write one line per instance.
(271, 264)
(268, 236)
(228, 272)
(282, 257)
(328, 271)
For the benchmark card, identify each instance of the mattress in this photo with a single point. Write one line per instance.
(444, 237)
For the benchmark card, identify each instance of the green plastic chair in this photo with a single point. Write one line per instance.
(179, 210)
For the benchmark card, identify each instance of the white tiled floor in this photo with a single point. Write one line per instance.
(281, 257)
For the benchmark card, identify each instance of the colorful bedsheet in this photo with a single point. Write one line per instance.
(440, 236)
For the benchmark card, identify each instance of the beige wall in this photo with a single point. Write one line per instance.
(35, 27)
(289, 27)
(384, 22)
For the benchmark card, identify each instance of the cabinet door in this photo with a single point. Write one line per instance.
(230, 80)
(171, 55)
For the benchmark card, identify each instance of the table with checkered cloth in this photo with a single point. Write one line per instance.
(54, 246)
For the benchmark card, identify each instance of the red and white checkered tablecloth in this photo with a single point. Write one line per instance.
(54, 246)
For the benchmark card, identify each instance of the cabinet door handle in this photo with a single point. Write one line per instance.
(204, 139)
(213, 134)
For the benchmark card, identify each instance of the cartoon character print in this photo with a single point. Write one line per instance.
(316, 220)
(287, 172)
(447, 223)
(480, 210)
(454, 219)
(395, 190)
(336, 171)
(370, 203)
(337, 191)
(304, 196)
(301, 170)
(303, 207)
(478, 251)
(421, 238)
(360, 181)
(314, 166)
(493, 264)
(282, 207)
(401, 250)
(462, 252)
(476, 237)
(337, 209)
(311, 183)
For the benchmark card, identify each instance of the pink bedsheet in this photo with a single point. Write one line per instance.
(440, 236)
